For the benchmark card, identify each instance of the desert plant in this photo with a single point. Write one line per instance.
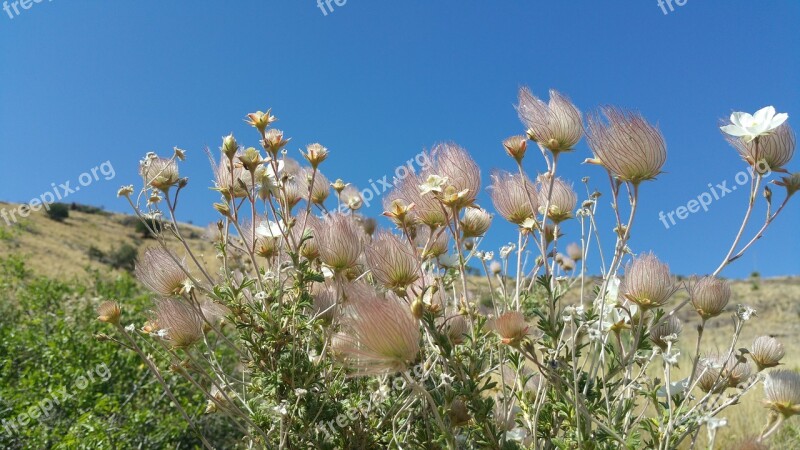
(320, 333)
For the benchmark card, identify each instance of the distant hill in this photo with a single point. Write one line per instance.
(89, 238)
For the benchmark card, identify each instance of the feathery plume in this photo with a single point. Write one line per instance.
(562, 201)
(462, 173)
(667, 331)
(556, 125)
(782, 392)
(710, 296)
(767, 352)
(378, 337)
(475, 222)
(647, 282)
(393, 262)
(513, 196)
(182, 325)
(109, 312)
(626, 145)
(157, 270)
(775, 149)
(340, 242)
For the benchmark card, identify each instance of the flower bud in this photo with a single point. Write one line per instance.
(315, 154)
(710, 297)
(229, 146)
(109, 312)
(516, 146)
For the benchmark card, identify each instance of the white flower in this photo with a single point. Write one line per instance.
(675, 388)
(506, 250)
(280, 409)
(488, 256)
(434, 183)
(450, 260)
(671, 358)
(270, 229)
(300, 392)
(749, 127)
(130, 328)
(745, 312)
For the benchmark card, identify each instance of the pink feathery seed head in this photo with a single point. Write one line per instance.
(456, 328)
(182, 324)
(511, 327)
(626, 144)
(475, 222)
(513, 196)
(574, 251)
(236, 183)
(666, 330)
(767, 352)
(159, 173)
(516, 146)
(773, 150)
(158, 270)
(378, 337)
(782, 392)
(710, 296)
(309, 236)
(393, 261)
(556, 125)
(562, 199)
(319, 191)
(325, 301)
(213, 313)
(109, 312)
(424, 209)
(341, 242)
(432, 243)
(369, 224)
(647, 282)
(463, 174)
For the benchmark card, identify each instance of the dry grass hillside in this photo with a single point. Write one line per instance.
(96, 240)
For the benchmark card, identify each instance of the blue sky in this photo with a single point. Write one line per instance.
(83, 82)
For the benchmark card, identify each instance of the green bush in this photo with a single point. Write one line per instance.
(97, 396)
(122, 258)
(57, 211)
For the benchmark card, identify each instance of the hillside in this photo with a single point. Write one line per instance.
(89, 239)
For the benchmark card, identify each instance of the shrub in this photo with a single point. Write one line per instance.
(57, 211)
(355, 340)
(123, 257)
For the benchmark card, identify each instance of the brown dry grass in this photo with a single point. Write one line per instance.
(61, 249)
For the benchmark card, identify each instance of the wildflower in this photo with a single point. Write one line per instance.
(182, 325)
(710, 296)
(235, 182)
(627, 146)
(715, 373)
(417, 208)
(516, 146)
(318, 192)
(434, 183)
(775, 149)
(513, 196)
(274, 141)
(261, 120)
(748, 127)
(158, 270)
(574, 251)
(782, 392)
(325, 301)
(561, 199)
(647, 282)
(455, 327)
(666, 332)
(378, 337)
(229, 146)
(315, 154)
(462, 173)
(108, 312)
(159, 173)
(475, 222)
(250, 159)
(567, 264)
(511, 327)
(125, 191)
(351, 197)
(433, 243)
(767, 352)
(495, 267)
(393, 262)
(790, 182)
(340, 242)
(556, 125)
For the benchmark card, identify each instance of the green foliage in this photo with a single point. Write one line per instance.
(96, 395)
(57, 211)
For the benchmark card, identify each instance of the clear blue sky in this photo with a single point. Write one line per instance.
(82, 82)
